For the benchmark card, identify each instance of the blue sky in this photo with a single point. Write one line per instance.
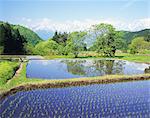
(69, 10)
(33, 13)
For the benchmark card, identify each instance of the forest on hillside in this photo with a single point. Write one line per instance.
(104, 39)
(16, 39)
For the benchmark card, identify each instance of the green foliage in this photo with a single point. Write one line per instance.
(138, 45)
(60, 38)
(16, 39)
(129, 36)
(62, 44)
(7, 70)
(31, 37)
(75, 43)
(47, 48)
(107, 39)
(11, 41)
(133, 50)
(62, 50)
(147, 38)
(29, 48)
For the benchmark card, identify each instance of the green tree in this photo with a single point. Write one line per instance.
(107, 39)
(147, 38)
(60, 38)
(75, 43)
(2, 36)
(11, 42)
(47, 48)
(29, 48)
(138, 45)
(8, 39)
(18, 42)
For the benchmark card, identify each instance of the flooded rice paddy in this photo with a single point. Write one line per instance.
(76, 68)
(128, 99)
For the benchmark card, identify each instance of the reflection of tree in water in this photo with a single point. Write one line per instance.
(108, 67)
(94, 67)
(75, 66)
(147, 70)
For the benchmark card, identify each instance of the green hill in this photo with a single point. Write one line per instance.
(30, 36)
(129, 36)
(16, 39)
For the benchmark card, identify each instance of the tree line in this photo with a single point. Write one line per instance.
(106, 42)
(11, 41)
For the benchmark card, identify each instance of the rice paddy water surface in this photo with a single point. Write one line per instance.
(128, 99)
(76, 68)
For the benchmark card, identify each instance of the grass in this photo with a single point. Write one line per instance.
(15, 81)
(7, 70)
(136, 58)
(145, 58)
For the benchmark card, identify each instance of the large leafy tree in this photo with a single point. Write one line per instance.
(108, 40)
(75, 43)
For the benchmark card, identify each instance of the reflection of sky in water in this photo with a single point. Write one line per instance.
(134, 68)
(75, 68)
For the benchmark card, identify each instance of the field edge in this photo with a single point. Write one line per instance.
(44, 84)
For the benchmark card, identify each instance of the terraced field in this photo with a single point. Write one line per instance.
(78, 68)
(99, 100)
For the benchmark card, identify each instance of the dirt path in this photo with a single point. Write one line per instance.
(17, 72)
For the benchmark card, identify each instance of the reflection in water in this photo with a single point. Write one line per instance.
(76, 68)
(109, 66)
(94, 67)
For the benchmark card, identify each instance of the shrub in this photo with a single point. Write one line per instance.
(139, 45)
(46, 48)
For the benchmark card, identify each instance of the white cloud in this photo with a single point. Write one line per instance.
(79, 25)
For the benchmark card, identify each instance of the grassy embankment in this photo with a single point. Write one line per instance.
(21, 83)
(7, 71)
(7, 78)
(145, 58)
